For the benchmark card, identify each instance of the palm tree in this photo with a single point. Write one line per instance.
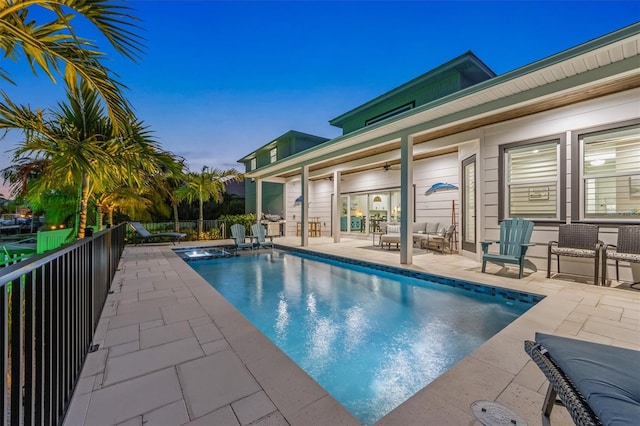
(81, 149)
(166, 184)
(206, 185)
(47, 40)
(76, 141)
(124, 199)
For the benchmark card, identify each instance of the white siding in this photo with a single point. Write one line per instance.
(607, 110)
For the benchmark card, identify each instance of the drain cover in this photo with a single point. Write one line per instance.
(493, 414)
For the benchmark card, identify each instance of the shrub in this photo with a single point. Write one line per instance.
(243, 219)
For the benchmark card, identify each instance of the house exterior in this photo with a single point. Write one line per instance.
(278, 149)
(556, 141)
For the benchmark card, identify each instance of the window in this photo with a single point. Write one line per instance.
(469, 204)
(610, 175)
(254, 164)
(273, 155)
(531, 179)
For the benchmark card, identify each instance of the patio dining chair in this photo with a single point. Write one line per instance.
(627, 249)
(576, 240)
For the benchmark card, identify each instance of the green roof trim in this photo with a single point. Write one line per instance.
(462, 62)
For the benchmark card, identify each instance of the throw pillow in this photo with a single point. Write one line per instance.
(393, 229)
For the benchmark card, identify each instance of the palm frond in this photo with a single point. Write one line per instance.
(55, 48)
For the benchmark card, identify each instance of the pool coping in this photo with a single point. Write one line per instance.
(498, 371)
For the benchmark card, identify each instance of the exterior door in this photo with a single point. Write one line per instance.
(469, 204)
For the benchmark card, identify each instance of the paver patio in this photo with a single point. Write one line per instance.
(173, 351)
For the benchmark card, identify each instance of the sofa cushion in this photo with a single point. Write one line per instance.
(419, 227)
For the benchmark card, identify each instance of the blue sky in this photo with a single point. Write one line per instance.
(219, 79)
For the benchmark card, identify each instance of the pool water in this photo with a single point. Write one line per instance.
(372, 339)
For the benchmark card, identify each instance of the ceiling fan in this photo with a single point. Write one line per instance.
(388, 167)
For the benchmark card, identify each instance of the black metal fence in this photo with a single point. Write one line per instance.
(51, 304)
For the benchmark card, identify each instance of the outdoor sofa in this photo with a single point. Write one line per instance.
(420, 231)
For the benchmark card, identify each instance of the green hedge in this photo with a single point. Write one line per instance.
(243, 219)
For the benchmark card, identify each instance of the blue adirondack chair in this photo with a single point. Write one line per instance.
(514, 242)
(261, 235)
(239, 235)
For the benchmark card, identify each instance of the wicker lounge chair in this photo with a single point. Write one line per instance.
(514, 242)
(440, 241)
(261, 236)
(576, 240)
(627, 250)
(144, 235)
(598, 384)
(239, 235)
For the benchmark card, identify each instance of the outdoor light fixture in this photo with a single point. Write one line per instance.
(437, 187)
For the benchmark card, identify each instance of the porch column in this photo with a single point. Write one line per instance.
(258, 199)
(337, 208)
(406, 200)
(304, 211)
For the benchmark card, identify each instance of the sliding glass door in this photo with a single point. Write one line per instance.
(364, 212)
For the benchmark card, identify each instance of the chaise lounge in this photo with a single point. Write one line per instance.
(144, 235)
(598, 384)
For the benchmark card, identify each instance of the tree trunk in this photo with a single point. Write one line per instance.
(84, 200)
(176, 221)
(99, 215)
(110, 212)
(201, 219)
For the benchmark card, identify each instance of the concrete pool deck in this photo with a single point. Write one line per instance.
(173, 351)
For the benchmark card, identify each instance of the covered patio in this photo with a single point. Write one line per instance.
(173, 351)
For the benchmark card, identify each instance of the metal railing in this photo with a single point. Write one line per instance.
(51, 304)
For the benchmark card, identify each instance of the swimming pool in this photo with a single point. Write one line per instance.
(371, 338)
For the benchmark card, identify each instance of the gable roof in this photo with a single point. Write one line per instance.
(291, 133)
(602, 66)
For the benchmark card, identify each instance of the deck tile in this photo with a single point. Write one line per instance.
(214, 381)
(122, 401)
(144, 361)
